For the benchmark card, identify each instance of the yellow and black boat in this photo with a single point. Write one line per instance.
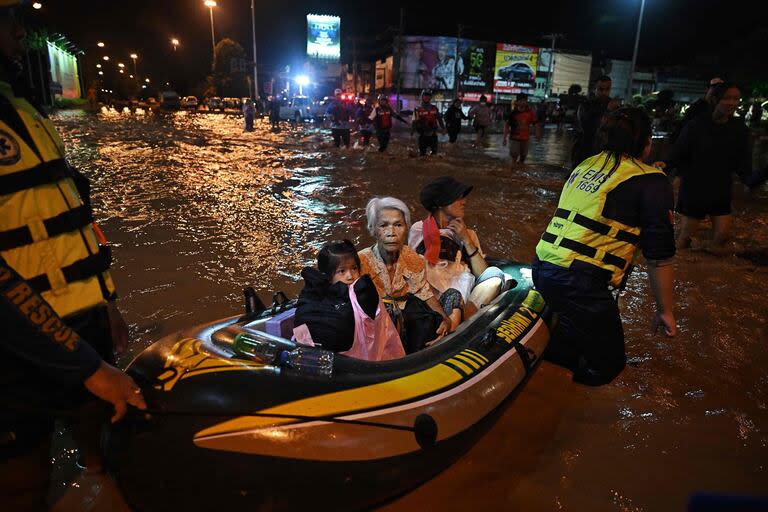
(234, 433)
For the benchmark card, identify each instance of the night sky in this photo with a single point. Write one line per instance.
(674, 31)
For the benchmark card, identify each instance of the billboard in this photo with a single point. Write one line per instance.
(64, 71)
(429, 63)
(324, 37)
(515, 67)
(477, 61)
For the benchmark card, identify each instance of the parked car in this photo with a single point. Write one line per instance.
(517, 71)
(189, 102)
(302, 108)
(169, 100)
(232, 103)
(215, 103)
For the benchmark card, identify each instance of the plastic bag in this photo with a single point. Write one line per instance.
(376, 339)
(451, 274)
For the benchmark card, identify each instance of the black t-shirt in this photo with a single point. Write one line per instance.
(707, 153)
(646, 201)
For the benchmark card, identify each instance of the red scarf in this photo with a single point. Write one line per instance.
(431, 239)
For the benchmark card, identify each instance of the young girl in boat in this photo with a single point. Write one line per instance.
(341, 311)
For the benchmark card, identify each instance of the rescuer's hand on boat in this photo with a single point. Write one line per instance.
(117, 388)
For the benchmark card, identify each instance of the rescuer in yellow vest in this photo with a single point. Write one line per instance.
(611, 205)
(56, 294)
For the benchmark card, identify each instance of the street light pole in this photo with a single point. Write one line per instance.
(255, 71)
(634, 54)
(554, 37)
(133, 58)
(211, 4)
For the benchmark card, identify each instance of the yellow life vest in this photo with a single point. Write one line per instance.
(579, 231)
(46, 231)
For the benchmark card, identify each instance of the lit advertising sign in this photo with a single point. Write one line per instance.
(429, 63)
(64, 71)
(324, 37)
(476, 58)
(515, 67)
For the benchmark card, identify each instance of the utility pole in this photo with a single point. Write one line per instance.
(553, 37)
(255, 71)
(354, 64)
(456, 88)
(634, 54)
(398, 58)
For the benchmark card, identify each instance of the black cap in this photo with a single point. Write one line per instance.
(442, 191)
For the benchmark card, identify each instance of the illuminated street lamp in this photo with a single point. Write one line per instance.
(302, 80)
(120, 65)
(133, 58)
(634, 54)
(121, 71)
(100, 44)
(146, 80)
(175, 43)
(98, 66)
(37, 5)
(105, 57)
(101, 72)
(210, 4)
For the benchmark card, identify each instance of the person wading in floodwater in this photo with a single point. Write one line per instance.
(61, 324)
(611, 204)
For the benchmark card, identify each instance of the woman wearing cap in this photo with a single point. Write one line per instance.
(400, 275)
(455, 260)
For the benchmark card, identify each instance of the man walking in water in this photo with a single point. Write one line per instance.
(518, 129)
(588, 119)
(481, 120)
(426, 120)
(339, 115)
(382, 119)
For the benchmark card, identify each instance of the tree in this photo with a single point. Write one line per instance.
(229, 77)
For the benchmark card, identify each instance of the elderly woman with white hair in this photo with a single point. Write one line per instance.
(399, 274)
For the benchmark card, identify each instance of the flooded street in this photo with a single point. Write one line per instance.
(196, 209)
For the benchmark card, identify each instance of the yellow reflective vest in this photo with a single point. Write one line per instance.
(46, 231)
(578, 230)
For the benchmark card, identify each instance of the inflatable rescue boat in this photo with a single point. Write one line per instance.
(230, 432)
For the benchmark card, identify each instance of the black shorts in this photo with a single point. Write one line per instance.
(698, 203)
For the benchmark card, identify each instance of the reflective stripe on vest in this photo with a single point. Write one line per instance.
(45, 229)
(578, 230)
(69, 220)
(77, 271)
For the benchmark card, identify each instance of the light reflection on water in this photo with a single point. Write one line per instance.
(197, 209)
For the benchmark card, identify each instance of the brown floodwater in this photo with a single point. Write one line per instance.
(196, 209)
